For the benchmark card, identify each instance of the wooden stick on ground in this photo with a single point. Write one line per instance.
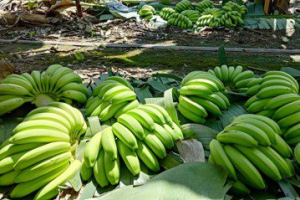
(153, 46)
(79, 8)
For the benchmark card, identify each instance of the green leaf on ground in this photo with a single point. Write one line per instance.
(193, 181)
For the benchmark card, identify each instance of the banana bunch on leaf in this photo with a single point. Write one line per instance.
(165, 13)
(234, 77)
(57, 83)
(203, 5)
(201, 94)
(276, 95)
(39, 154)
(184, 5)
(147, 12)
(210, 17)
(111, 98)
(234, 14)
(180, 20)
(251, 147)
(191, 14)
(140, 135)
(232, 6)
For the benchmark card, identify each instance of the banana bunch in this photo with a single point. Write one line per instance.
(276, 96)
(141, 134)
(147, 12)
(191, 14)
(249, 147)
(165, 13)
(180, 20)
(201, 93)
(234, 77)
(232, 6)
(184, 5)
(111, 98)
(234, 14)
(210, 17)
(57, 83)
(203, 5)
(39, 154)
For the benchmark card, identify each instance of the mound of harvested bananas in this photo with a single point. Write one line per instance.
(147, 12)
(184, 5)
(210, 17)
(165, 13)
(111, 98)
(141, 134)
(57, 83)
(203, 5)
(39, 154)
(201, 93)
(180, 20)
(191, 14)
(276, 96)
(234, 77)
(249, 147)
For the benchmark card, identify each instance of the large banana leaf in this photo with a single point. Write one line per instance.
(190, 181)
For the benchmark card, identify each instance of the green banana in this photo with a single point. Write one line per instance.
(39, 135)
(147, 156)
(281, 100)
(125, 135)
(155, 145)
(8, 178)
(11, 149)
(220, 158)
(43, 152)
(133, 125)
(261, 161)
(43, 167)
(109, 143)
(245, 167)
(237, 137)
(92, 149)
(143, 117)
(280, 163)
(163, 136)
(99, 170)
(112, 169)
(259, 135)
(51, 189)
(130, 158)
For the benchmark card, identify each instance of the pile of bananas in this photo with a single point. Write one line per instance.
(234, 77)
(276, 96)
(180, 20)
(57, 83)
(39, 154)
(232, 6)
(166, 13)
(147, 12)
(201, 93)
(111, 98)
(249, 147)
(234, 14)
(210, 17)
(191, 14)
(184, 5)
(203, 5)
(143, 134)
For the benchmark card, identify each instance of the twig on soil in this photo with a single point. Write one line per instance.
(257, 69)
(154, 46)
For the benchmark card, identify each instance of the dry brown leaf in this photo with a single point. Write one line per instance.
(6, 69)
(191, 150)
